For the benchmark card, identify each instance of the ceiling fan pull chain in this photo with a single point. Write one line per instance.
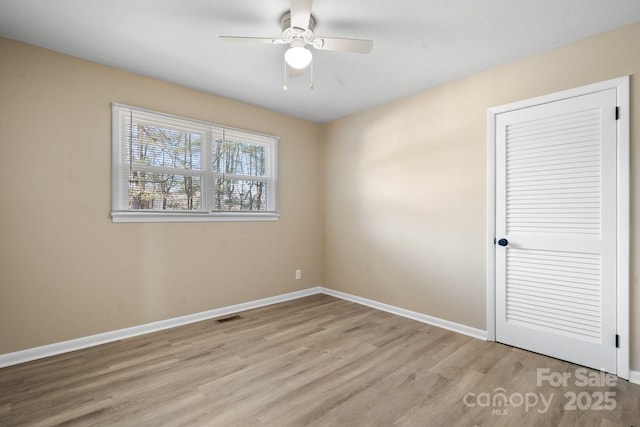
(285, 75)
(311, 85)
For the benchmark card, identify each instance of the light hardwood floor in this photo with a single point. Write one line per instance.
(314, 361)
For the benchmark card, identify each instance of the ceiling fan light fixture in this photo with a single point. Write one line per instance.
(298, 57)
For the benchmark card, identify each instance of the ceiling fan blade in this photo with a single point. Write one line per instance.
(252, 40)
(343, 45)
(300, 13)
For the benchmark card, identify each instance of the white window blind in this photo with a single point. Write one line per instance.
(169, 168)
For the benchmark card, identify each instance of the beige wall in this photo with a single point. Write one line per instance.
(66, 271)
(405, 184)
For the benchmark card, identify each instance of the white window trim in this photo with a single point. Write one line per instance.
(119, 186)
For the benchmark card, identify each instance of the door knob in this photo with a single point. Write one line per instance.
(503, 242)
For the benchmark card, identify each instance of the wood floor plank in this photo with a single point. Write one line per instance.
(315, 361)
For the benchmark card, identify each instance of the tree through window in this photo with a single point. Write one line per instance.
(174, 165)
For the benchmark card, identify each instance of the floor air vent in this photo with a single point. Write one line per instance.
(229, 319)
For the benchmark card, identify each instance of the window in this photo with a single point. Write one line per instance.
(168, 168)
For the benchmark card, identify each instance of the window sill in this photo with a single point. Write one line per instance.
(193, 216)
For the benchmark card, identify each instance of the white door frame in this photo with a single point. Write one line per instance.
(623, 230)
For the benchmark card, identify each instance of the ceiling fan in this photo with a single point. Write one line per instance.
(297, 32)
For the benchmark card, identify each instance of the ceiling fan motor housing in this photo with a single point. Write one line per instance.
(289, 33)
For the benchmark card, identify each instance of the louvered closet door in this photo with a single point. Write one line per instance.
(556, 207)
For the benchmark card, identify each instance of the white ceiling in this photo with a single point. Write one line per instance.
(418, 44)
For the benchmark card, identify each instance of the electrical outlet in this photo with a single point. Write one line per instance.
(298, 274)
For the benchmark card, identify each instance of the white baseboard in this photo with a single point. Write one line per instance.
(93, 340)
(30, 354)
(435, 321)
